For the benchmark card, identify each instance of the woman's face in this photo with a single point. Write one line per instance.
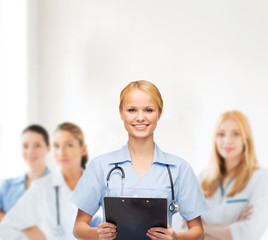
(34, 149)
(229, 142)
(140, 114)
(67, 150)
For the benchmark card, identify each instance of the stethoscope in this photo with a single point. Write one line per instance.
(173, 207)
(58, 231)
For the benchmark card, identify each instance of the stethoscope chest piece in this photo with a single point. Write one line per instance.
(174, 207)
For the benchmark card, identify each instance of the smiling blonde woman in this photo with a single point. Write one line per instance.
(148, 170)
(234, 185)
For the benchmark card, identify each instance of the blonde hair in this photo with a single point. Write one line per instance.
(217, 169)
(146, 87)
(77, 132)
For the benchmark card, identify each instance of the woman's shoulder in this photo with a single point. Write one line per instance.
(257, 183)
(44, 181)
(169, 158)
(106, 156)
(260, 174)
(13, 181)
(119, 155)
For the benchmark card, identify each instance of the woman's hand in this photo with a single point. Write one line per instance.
(245, 215)
(34, 233)
(106, 231)
(161, 233)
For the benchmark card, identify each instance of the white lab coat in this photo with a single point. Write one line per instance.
(226, 210)
(38, 207)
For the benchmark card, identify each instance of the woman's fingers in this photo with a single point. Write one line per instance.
(245, 215)
(106, 231)
(160, 233)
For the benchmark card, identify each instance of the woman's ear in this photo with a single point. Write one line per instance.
(159, 115)
(121, 114)
(84, 150)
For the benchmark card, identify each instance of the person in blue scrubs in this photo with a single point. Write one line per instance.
(35, 146)
(146, 173)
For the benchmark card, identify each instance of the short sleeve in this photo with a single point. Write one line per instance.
(257, 224)
(189, 194)
(88, 192)
(25, 213)
(2, 191)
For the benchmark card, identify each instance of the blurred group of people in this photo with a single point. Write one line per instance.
(41, 209)
(37, 205)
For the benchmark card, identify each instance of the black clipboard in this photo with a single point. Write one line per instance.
(133, 216)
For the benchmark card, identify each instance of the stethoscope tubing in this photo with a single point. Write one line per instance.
(174, 206)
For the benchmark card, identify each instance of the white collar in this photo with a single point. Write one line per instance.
(57, 178)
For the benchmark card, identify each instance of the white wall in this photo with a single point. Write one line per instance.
(13, 84)
(205, 56)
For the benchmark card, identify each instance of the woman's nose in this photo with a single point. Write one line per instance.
(30, 150)
(140, 116)
(61, 151)
(228, 139)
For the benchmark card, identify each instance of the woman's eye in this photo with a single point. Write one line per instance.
(236, 134)
(55, 146)
(149, 110)
(69, 145)
(220, 134)
(131, 110)
(37, 145)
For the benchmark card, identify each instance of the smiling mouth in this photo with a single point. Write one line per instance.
(141, 126)
(63, 160)
(32, 159)
(228, 149)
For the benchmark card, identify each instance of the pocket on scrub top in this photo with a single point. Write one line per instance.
(233, 209)
(238, 200)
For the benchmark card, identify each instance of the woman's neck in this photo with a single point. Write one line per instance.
(142, 153)
(72, 176)
(231, 165)
(231, 169)
(140, 148)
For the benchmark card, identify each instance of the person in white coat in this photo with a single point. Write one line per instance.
(234, 184)
(45, 211)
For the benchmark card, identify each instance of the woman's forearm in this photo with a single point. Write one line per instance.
(195, 233)
(34, 233)
(221, 232)
(1, 215)
(82, 231)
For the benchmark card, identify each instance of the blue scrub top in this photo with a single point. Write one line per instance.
(91, 188)
(11, 190)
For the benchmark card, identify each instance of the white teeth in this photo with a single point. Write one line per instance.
(140, 126)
